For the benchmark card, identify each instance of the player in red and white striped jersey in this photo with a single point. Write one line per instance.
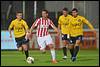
(42, 26)
(43, 36)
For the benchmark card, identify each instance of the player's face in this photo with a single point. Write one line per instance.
(74, 13)
(44, 14)
(19, 16)
(64, 13)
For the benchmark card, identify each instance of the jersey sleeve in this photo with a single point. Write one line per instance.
(25, 25)
(88, 23)
(36, 22)
(51, 24)
(11, 25)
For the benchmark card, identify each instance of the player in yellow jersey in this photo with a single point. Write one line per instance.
(20, 28)
(76, 31)
(63, 24)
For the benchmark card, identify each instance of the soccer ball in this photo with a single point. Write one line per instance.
(30, 60)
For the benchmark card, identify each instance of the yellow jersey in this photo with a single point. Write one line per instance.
(19, 27)
(76, 25)
(64, 22)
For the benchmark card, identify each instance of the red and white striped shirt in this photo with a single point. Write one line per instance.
(42, 26)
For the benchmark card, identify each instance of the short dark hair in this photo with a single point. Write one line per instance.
(45, 10)
(75, 9)
(65, 9)
(18, 12)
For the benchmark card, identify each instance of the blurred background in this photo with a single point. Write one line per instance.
(32, 10)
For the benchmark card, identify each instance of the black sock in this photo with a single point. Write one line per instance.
(27, 54)
(76, 49)
(71, 51)
(65, 51)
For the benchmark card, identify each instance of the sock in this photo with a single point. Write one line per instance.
(27, 54)
(71, 51)
(65, 51)
(76, 50)
(53, 54)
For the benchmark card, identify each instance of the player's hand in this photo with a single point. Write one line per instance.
(10, 36)
(58, 34)
(28, 36)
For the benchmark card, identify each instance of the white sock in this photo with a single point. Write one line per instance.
(53, 54)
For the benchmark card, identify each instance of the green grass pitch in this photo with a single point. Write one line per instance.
(16, 58)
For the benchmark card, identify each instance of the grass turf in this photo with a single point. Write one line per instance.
(16, 58)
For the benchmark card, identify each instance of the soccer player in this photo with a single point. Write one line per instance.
(20, 28)
(43, 36)
(64, 25)
(76, 27)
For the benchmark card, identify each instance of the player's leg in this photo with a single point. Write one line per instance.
(53, 55)
(22, 45)
(41, 44)
(65, 48)
(18, 44)
(78, 42)
(71, 46)
(42, 48)
(20, 48)
(76, 50)
(49, 42)
(25, 47)
(65, 45)
(76, 47)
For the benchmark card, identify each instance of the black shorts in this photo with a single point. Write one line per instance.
(65, 37)
(21, 40)
(73, 39)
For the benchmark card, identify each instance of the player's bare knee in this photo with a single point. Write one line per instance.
(20, 48)
(25, 48)
(78, 42)
(65, 43)
(70, 46)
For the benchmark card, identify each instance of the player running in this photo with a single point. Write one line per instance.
(43, 36)
(76, 31)
(20, 28)
(63, 24)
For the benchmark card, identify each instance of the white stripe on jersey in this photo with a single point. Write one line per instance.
(45, 28)
(40, 31)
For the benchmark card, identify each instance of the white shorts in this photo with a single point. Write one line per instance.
(43, 41)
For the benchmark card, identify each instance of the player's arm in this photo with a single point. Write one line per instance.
(54, 27)
(10, 27)
(34, 25)
(59, 24)
(10, 33)
(59, 27)
(89, 25)
(29, 32)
